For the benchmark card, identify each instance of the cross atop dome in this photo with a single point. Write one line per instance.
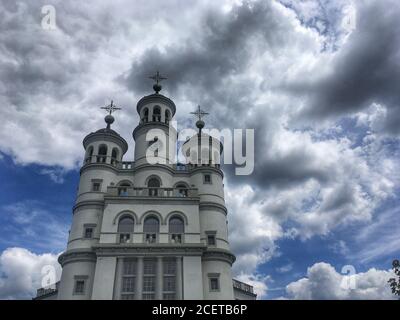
(157, 78)
(200, 113)
(109, 119)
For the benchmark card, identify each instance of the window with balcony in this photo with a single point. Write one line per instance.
(151, 229)
(123, 189)
(125, 228)
(176, 229)
(182, 190)
(154, 186)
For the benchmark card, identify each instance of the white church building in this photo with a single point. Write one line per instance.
(145, 230)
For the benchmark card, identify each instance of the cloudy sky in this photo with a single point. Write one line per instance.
(318, 80)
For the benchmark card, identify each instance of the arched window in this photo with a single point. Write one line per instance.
(89, 155)
(157, 114)
(146, 115)
(153, 185)
(176, 229)
(125, 228)
(167, 116)
(182, 190)
(114, 156)
(151, 228)
(102, 155)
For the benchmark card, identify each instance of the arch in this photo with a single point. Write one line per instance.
(115, 153)
(126, 224)
(89, 154)
(157, 113)
(123, 187)
(146, 115)
(183, 189)
(183, 183)
(151, 213)
(102, 153)
(167, 116)
(151, 224)
(125, 183)
(125, 213)
(114, 156)
(151, 177)
(179, 214)
(102, 150)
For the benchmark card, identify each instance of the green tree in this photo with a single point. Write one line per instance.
(393, 282)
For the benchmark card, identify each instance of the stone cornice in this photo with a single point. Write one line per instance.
(213, 206)
(87, 203)
(143, 249)
(219, 254)
(156, 98)
(76, 255)
(101, 136)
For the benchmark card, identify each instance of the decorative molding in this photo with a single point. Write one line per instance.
(164, 249)
(177, 213)
(76, 255)
(110, 137)
(128, 213)
(213, 206)
(219, 254)
(88, 204)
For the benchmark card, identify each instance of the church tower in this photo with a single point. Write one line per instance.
(151, 228)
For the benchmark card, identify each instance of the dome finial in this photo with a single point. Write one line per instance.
(157, 78)
(109, 119)
(199, 113)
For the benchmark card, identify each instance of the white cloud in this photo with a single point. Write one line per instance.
(21, 272)
(323, 282)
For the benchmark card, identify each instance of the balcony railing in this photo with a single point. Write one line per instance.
(127, 165)
(124, 165)
(44, 291)
(152, 192)
(242, 286)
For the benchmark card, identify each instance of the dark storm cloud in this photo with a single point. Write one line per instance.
(221, 49)
(365, 71)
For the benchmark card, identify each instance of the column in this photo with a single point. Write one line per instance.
(159, 279)
(178, 278)
(139, 279)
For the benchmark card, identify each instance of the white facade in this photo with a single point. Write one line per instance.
(147, 231)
